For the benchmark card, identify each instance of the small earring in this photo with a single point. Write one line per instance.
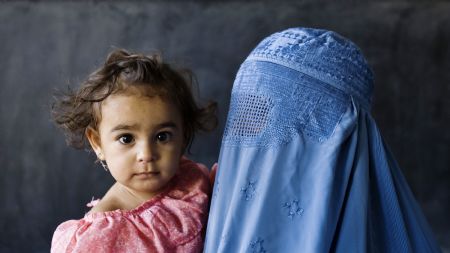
(103, 163)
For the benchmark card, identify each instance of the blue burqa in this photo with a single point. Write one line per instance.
(303, 166)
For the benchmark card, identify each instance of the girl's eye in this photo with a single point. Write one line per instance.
(163, 136)
(126, 139)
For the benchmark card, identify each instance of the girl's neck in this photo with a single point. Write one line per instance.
(131, 199)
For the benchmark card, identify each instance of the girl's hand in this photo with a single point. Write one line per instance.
(212, 173)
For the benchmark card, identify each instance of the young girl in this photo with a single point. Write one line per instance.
(138, 115)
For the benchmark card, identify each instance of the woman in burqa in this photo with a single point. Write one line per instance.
(303, 166)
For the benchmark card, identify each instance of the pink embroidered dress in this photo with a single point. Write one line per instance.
(173, 221)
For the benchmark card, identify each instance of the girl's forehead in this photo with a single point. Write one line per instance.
(136, 101)
(133, 99)
(132, 109)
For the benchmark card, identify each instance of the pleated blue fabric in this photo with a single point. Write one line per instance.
(303, 166)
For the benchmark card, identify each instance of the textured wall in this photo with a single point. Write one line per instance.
(49, 45)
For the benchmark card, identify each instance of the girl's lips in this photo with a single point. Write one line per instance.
(147, 174)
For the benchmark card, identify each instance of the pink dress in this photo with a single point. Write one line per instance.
(173, 221)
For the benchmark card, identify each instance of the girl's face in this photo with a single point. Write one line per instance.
(141, 139)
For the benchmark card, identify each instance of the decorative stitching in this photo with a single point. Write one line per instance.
(257, 246)
(324, 54)
(266, 117)
(249, 190)
(248, 116)
(293, 209)
(298, 81)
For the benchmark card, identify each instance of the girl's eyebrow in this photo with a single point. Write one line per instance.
(121, 127)
(124, 127)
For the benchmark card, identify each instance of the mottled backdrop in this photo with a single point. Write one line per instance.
(50, 45)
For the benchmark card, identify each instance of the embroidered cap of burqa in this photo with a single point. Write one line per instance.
(303, 166)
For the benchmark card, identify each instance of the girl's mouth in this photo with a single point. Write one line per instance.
(147, 174)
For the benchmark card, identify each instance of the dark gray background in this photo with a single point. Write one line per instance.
(49, 45)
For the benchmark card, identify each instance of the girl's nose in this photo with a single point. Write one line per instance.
(147, 153)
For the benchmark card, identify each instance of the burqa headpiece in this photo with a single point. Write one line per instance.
(303, 167)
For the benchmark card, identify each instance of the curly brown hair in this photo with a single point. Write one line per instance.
(75, 111)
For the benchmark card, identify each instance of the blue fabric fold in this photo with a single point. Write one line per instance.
(303, 167)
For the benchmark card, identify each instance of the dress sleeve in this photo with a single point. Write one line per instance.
(117, 234)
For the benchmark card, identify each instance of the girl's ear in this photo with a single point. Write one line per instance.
(94, 139)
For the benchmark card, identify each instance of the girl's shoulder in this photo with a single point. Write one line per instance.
(104, 205)
(110, 202)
